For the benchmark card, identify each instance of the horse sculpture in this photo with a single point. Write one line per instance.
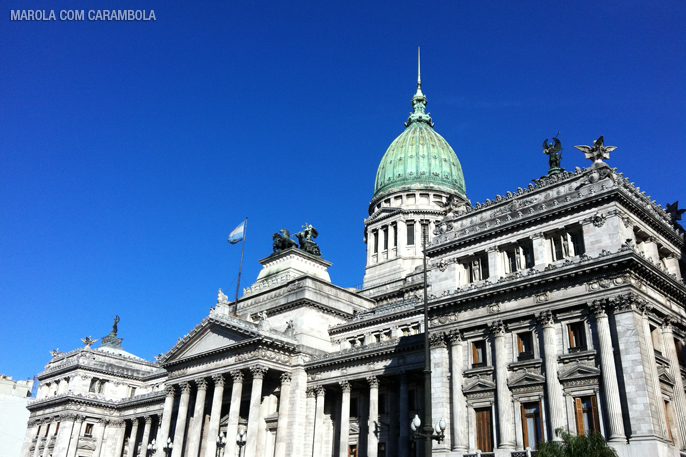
(305, 239)
(282, 241)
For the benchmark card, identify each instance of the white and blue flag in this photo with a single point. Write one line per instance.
(238, 233)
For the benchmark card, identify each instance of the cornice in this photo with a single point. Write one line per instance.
(373, 350)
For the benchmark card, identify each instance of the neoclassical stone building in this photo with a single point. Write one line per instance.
(558, 305)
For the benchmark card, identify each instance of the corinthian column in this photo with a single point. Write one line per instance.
(459, 404)
(146, 436)
(234, 412)
(198, 413)
(345, 418)
(258, 373)
(679, 397)
(181, 417)
(76, 433)
(404, 438)
(99, 437)
(131, 451)
(282, 425)
(504, 398)
(215, 417)
(374, 426)
(440, 388)
(556, 410)
(607, 363)
(319, 421)
(166, 416)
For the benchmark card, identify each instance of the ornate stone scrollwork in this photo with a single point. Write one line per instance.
(285, 378)
(437, 340)
(454, 336)
(598, 307)
(373, 382)
(310, 392)
(258, 371)
(345, 386)
(546, 318)
(497, 328)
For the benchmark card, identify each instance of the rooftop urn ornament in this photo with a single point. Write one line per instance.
(554, 153)
(305, 238)
(282, 241)
(88, 341)
(598, 151)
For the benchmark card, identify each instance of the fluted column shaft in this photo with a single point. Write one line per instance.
(67, 425)
(119, 436)
(282, 426)
(194, 435)
(36, 450)
(504, 398)
(181, 417)
(131, 452)
(374, 426)
(166, 417)
(76, 433)
(146, 436)
(679, 396)
(654, 387)
(234, 412)
(258, 373)
(556, 410)
(459, 404)
(345, 419)
(215, 417)
(404, 400)
(99, 437)
(46, 449)
(610, 386)
(310, 411)
(319, 422)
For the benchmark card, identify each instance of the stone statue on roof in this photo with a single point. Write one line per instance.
(598, 151)
(305, 238)
(114, 327)
(282, 241)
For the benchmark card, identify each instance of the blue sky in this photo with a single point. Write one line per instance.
(130, 150)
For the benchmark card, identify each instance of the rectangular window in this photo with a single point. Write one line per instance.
(528, 252)
(395, 236)
(578, 243)
(511, 261)
(381, 450)
(679, 351)
(89, 430)
(410, 234)
(531, 424)
(38, 431)
(375, 234)
(382, 403)
(525, 346)
(385, 238)
(478, 354)
(669, 426)
(577, 337)
(47, 429)
(352, 450)
(353, 407)
(557, 248)
(586, 415)
(484, 430)
(57, 428)
(132, 391)
(478, 269)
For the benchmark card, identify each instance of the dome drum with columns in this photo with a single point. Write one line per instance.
(558, 305)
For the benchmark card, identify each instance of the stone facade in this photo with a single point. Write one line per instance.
(558, 305)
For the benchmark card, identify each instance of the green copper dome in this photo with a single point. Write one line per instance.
(419, 159)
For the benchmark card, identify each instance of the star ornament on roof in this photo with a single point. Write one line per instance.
(88, 341)
(598, 151)
(674, 211)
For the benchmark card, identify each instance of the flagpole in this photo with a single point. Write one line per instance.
(238, 286)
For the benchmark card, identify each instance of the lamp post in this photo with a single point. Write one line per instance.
(152, 448)
(426, 432)
(167, 448)
(221, 443)
(240, 441)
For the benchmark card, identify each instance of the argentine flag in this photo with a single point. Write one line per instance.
(238, 233)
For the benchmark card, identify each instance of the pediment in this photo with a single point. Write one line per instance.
(579, 371)
(479, 385)
(665, 376)
(526, 379)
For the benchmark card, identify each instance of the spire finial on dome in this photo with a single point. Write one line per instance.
(419, 99)
(419, 74)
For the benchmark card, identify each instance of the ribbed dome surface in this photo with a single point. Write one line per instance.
(419, 159)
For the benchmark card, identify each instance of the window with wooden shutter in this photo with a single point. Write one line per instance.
(352, 450)
(669, 428)
(586, 409)
(577, 337)
(531, 424)
(484, 430)
(525, 346)
(478, 354)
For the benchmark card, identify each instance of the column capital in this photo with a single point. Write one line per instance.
(546, 318)
(598, 307)
(185, 388)
(118, 423)
(320, 390)
(147, 419)
(310, 392)
(169, 391)
(237, 376)
(134, 420)
(454, 336)
(667, 324)
(373, 382)
(631, 302)
(437, 340)
(345, 386)
(258, 371)
(103, 421)
(497, 328)
(80, 418)
(285, 378)
(67, 417)
(218, 380)
(201, 383)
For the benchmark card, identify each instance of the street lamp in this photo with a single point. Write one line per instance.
(221, 443)
(152, 448)
(428, 432)
(168, 447)
(240, 440)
